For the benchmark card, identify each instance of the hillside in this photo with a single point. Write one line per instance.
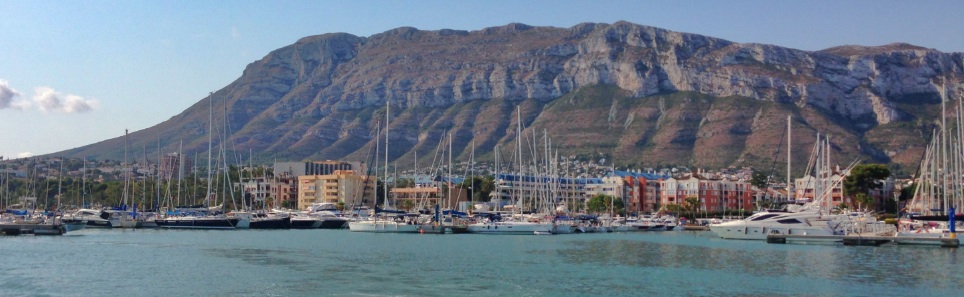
(642, 95)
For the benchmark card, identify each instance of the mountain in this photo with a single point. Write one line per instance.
(636, 94)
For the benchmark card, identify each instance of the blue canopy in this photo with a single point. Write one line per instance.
(17, 212)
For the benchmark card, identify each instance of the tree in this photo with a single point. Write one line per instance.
(672, 207)
(479, 187)
(759, 180)
(601, 204)
(864, 201)
(692, 204)
(863, 178)
(907, 193)
(408, 205)
(404, 183)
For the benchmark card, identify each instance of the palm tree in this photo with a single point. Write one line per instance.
(692, 204)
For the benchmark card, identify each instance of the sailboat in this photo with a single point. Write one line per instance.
(385, 224)
(118, 216)
(494, 224)
(938, 193)
(264, 218)
(68, 225)
(208, 218)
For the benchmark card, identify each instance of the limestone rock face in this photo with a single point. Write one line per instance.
(410, 67)
(319, 97)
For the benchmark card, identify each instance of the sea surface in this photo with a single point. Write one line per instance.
(341, 263)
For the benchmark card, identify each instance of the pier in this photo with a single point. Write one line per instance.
(35, 229)
(865, 240)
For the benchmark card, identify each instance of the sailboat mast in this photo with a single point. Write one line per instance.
(472, 174)
(943, 163)
(519, 152)
(60, 182)
(451, 184)
(127, 169)
(378, 133)
(960, 153)
(498, 206)
(817, 169)
(158, 178)
(180, 171)
(207, 196)
(83, 185)
(418, 200)
(385, 184)
(790, 186)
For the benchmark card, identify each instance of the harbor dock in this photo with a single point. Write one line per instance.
(865, 240)
(35, 229)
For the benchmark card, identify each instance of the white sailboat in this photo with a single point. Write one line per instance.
(121, 218)
(515, 224)
(385, 224)
(203, 220)
(939, 194)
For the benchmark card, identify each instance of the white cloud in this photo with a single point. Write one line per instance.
(50, 100)
(24, 155)
(235, 33)
(47, 98)
(77, 104)
(6, 97)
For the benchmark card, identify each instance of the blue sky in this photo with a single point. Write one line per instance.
(77, 72)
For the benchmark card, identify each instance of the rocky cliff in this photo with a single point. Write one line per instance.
(642, 95)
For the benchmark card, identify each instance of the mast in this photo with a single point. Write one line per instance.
(378, 133)
(60, 182)
(157, 178)
(817, 184)
(519, 152)
(83, 191)
(127, 168)
(207, 196)
(790, 185)
(418, 200)
(451, 184)
(943, 163)
(180, 170)
(385, 184)
(498, 206)
(472, 175)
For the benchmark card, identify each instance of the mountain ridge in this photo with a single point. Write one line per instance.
(320, 97)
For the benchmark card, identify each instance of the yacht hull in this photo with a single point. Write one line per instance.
(382, 227)
(270, 223)
(199, 223)
(519, 228)
(736, 230)
(338, 223)
(300, 223)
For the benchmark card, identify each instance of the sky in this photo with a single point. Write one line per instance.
(74, 73)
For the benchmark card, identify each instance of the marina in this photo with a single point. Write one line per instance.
(481, 149)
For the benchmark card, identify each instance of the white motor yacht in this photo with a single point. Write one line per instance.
(757, 226)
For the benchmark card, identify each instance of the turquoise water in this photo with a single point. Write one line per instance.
(342, 263)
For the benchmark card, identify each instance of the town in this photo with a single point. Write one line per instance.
(174, 181)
